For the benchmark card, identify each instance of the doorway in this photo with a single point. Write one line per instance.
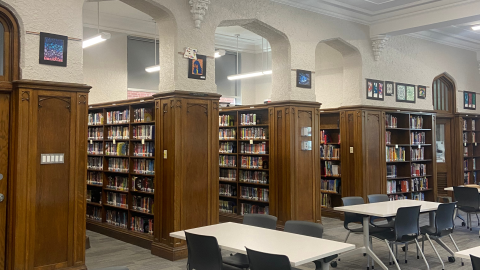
(444, 144)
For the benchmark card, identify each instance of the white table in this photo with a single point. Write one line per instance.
(451, 189)
(465, 254)
(385, 209)
(298, 248)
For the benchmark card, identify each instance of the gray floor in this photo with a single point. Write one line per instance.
(106, 251)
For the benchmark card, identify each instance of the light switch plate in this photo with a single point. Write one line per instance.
(351, 150)
(52, 158)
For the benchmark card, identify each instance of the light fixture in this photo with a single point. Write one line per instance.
(219, 53)
(253, 74)
(156, 67)
(100, 37)
(476, 27)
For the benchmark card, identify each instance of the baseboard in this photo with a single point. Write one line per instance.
(168, 252)
(134, 238)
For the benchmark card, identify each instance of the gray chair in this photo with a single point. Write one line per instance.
(375, 198)
(475, 262)
(265, 261)
(308, 229)
(468, 201)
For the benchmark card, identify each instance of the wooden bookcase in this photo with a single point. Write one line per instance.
(467, 149)
(128, 141)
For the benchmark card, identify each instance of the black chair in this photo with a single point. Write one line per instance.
(308, 229)
(265, 261)
(468, 200)
(204, 253)
(475, 262)
(444, 225)
(406, 230)
(375, 198)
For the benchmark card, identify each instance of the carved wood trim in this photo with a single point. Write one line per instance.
(279, 114)
(200, 105)
(165, 105)
(26, 96)
(307, 112)
(157, 104)
(82, 99)
(66, 100)
(215, 105)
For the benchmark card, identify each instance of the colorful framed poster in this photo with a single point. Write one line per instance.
(469, 100)
(197, 68)
(389, 88)
(401, 90)
(375, 89)
(422, 91)
(411, 97)
(53, 49)
(304, 78)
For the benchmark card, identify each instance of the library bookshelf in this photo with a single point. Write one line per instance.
(120, 170)
(468, 149)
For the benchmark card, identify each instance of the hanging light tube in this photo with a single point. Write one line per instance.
(154, 68)
(252, 74)
(100, 37)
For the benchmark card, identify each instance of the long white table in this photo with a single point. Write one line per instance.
(298, 248)
(451, 189)
(385, 209)
(465, 254)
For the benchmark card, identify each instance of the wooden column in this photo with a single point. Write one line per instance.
(46, 205)
(186, 167)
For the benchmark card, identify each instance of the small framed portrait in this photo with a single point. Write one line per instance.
(470, 100)
(422, 91)
(389, 88)
(197, 68)
(375, 89)
(53, 49)
(304, 78)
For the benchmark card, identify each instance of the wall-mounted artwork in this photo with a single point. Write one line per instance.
(422, 91)
(304, 78)
(375, 89)
(389, 88)
(469, 100)
(197, 68)
(411, 97)
(401, 90)
(53, 49)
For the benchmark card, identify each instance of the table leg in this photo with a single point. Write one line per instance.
(366, 242)
(325, 266)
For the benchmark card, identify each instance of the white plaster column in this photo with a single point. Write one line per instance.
(303, 57)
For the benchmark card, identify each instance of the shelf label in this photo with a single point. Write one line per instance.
(114, 142)
(351, 150)
(143, 141)
(419, 146)
(396, 146)
(475, 144)
(164, 154)
(1, 176)
(464, 144)
(251, 141)
(91, 141)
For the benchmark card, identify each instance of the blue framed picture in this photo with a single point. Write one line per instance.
(304, 78)
(53, 49)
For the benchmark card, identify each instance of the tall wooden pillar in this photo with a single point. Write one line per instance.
(46, 198)
(186, 167)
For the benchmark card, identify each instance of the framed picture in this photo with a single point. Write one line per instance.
(375, 89)
(422, 91)
(470, 100)
(401, 92)
(411, 97)
(304, 78)
(389, 88)
(53, 49)
(197, 68)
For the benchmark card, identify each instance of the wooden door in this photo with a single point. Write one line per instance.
(4, 131)
(444, 143)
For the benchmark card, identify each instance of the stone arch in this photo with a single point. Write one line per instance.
(338, 73)
(14, 26)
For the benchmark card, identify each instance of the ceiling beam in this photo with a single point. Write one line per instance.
(429, 19)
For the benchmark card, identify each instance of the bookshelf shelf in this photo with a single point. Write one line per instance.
(335, 176)
(142, 174)
(330, 192)
(93, 203)
(258, 125)
(226, 196)
(143, 123)
(114, 206)
(115, 190)
(250, 200)
(142, 157)
(398, 161)
(121, 124)
(93, 185)
(226, 167)
(254, 140)
(253, 184)
(143, 192)
(234, 154)
(141, 212)
(244, 154)
(252, 169)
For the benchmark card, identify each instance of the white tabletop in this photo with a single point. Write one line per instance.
(298, 248)
(386, 209)
(451, 189)
(465, 254)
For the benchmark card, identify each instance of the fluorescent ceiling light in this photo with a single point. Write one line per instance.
(476, 27)
(267, 72)
(219, 53)
(96, 39)
(249, 75)
(152, 68)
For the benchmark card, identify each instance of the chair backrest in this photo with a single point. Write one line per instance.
(265, 261)
(374, 198)
(475, 262)
(352, 217)
(203, 252)
(444, 217)
(304, 228)
(466, 197)
(406, 223)
(260, 220)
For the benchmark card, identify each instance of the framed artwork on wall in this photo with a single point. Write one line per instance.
(469, 100)
(422, 91)
(401, 91)
(53, 50)
(197, 68)
(375, 89)
(410, 90)
(304, 78)
(389, 88)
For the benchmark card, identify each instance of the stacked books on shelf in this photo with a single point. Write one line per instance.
(118, 117)
(142, 115)
(95, 163)
(143, 184)
(227, 190)
(388, 137)
(228, 207)
(94, 178)
(331, 185)
(146, 132)
(142, 225)
(326, 201)
(417, 137)
(228, 175)
(95, 148)
(94, 213)
(327, 138)
(247, 208)
(397, 197)
(397, 186)
(95, 119)
(254, 133)
(465, 137)
(142, 204)
(95, 133)
(465, 151)
(255, 194)
(467, 178)
(392, 121)
(464, 125)
(118, 149)
(416, 122)
(391, 171)
(118, 133)
(117, 199)
(144, 166)
(146, 149)
(331, 169)
(255, 177)
(395, 153)
(419, 196)
(249, 162)
(226, 134)
(225, 120)
(248, 119)
(117, 218)
(117, 182)
(94, 196)
(329, 151)
(118, 165)
(227, 161)
(419, 184)
(227, 147)
(418, 169)
(417, 154)
(256, 148)
(465, 165)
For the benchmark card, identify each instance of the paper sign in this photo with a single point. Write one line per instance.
(396, 145)
(164, 154)
(91, 141)
(114, 142)
(190, 53)
(143, 141)
(251, 141)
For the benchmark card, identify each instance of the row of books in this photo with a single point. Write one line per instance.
(465, 126)
(95, 148)
(95, 133)
(146, 132)
(397, 197)
(329, 151)
(331, 185)
(226, 120)
(465, 151)
(395, 153)
(392, 121)
(143, 183)
(420, 196)
(229, 207)
(95, 163)
(391, 171)
(388, 137)
(118, 117)
(142, 204)
(331, 169)
(142, 225)
(417, 153)
(95, 119)
(465, 137)
(412, 185)
(254, 133)
(249, 162)
(144, 166)
(118, 164)
(94, 178)
(470, 178)
(327, 138)
(227, 147)
(146, 149)
(94, 196)
(228, 175)
(118, 149)
(117, 182)
(416, 122)
(94, 212)
(118, 133)
(247, 208)
(117, 218)
(142, 115)
(418, 169)
(417, 137)
(227, 190)
(326, 200)
(117, 199)
(256, 148)
(256, 177)
(226, 134)
(248, 119)
(465, 164)
(254, 193)
(227, 161)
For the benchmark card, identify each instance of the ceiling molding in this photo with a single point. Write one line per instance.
(449, 41)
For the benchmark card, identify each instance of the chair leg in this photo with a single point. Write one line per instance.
(391, 253)
(390, 257)
(423, 255)
(417, 252)
(406, 249)
(478, 220)
(371, 247)
(455, 244)
(346, 238)
(436, 252)
(396, 252)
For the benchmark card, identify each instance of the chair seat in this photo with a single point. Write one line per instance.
(390, 236)
(371, 229)
(238, 260)
(428, 229)
(229, 267)
(389, 224)
(468, 209)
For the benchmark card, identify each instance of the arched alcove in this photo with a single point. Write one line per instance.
(444, 94)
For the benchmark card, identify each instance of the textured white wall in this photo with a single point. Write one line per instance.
(329, 76)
